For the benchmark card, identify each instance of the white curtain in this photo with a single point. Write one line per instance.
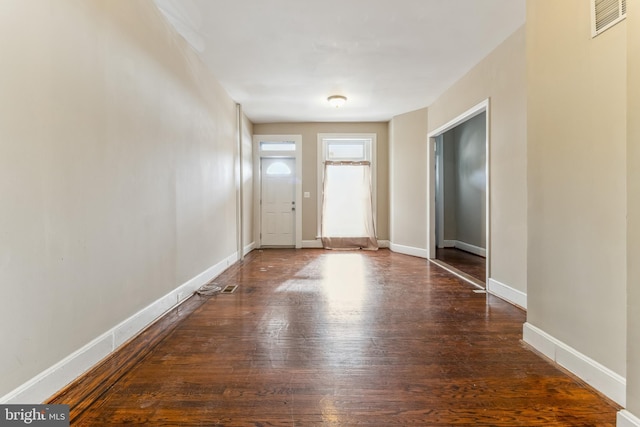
(347, 207)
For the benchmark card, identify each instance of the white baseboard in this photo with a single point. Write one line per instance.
(627, 419)
(448, 244)
(317, 244)
(507, 293)
(54, 378)
(312, 244)
(248, 248)
(408, 250)
(600, 377)
(477, 250)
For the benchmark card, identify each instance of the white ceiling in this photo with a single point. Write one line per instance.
(281, 59)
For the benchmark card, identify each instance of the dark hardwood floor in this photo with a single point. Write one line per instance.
(322, 338)
(474, 265)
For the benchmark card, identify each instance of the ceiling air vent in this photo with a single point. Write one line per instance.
(606, 13)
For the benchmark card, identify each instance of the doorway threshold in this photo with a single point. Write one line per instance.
(460, 274)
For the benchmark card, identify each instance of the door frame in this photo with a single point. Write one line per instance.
(278, 203)
(439, 195)
(258, 155)
(482, 107)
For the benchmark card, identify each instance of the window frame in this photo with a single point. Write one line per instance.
(370, 155)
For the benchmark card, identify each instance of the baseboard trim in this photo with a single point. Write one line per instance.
(627, 419)
(408, 250)
(312, 244)
(54, 378)
(507, 293)
(248, 248)
(317, 244)
(477, 250)
(600, 377)
(449, 244)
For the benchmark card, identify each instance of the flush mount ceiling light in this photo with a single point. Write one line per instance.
(337, 100)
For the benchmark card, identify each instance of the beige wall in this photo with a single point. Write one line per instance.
(408, 179)
(309, 132)
(501, 76)
(116, 177)
(633, 215)
(577, 180)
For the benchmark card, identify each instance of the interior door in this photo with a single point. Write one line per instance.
(278, 202)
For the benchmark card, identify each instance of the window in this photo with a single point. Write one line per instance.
(346, 149)
(278, 146)
(346, 190)
(278, 168)
(350, 149)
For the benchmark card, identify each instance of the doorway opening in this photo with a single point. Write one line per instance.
(459, 234)
(278, 199)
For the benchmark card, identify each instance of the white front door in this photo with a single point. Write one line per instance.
(278, 202)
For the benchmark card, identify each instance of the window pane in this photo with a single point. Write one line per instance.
(278, 168)
(352, 149)
(345, 151)
(347, 201)
(278, 146)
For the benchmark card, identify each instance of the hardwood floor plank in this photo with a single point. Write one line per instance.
(314, 337)
(473, 265)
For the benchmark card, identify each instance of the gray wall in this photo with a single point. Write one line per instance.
(464, 171)
(449, 183)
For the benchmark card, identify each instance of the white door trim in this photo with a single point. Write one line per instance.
(482, 107)
(257, 184)
(439, 165)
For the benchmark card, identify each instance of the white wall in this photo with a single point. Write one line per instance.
(116, 173)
